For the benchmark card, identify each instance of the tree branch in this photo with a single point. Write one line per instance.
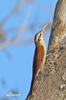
(51, 83)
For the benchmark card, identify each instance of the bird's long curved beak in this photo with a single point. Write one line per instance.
(45, 27)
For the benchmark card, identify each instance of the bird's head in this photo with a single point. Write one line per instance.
(39, 38)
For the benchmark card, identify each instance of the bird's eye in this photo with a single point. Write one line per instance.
(39, 39)
(39, 35)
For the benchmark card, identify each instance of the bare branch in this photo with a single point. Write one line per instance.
(14, 10)
(14, 41)
(24, 26)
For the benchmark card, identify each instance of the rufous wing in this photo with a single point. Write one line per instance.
(38, 58)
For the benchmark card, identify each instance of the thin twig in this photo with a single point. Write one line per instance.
(14, 10)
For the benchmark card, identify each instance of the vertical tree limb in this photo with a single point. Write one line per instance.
(51, 84)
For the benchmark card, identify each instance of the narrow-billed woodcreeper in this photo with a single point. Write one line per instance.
(39, 56)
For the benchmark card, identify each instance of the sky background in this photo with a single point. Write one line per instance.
(16, 72)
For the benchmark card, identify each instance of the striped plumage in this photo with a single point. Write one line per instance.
(39, 56)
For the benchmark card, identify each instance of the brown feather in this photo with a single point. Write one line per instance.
(38, 57)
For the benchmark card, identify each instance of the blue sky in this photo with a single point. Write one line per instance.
(16, 72)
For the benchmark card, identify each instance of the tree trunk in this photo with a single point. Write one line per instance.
(51, 83)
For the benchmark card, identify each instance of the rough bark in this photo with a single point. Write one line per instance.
(51, 83)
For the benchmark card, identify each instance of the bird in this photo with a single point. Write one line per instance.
(39, 56)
